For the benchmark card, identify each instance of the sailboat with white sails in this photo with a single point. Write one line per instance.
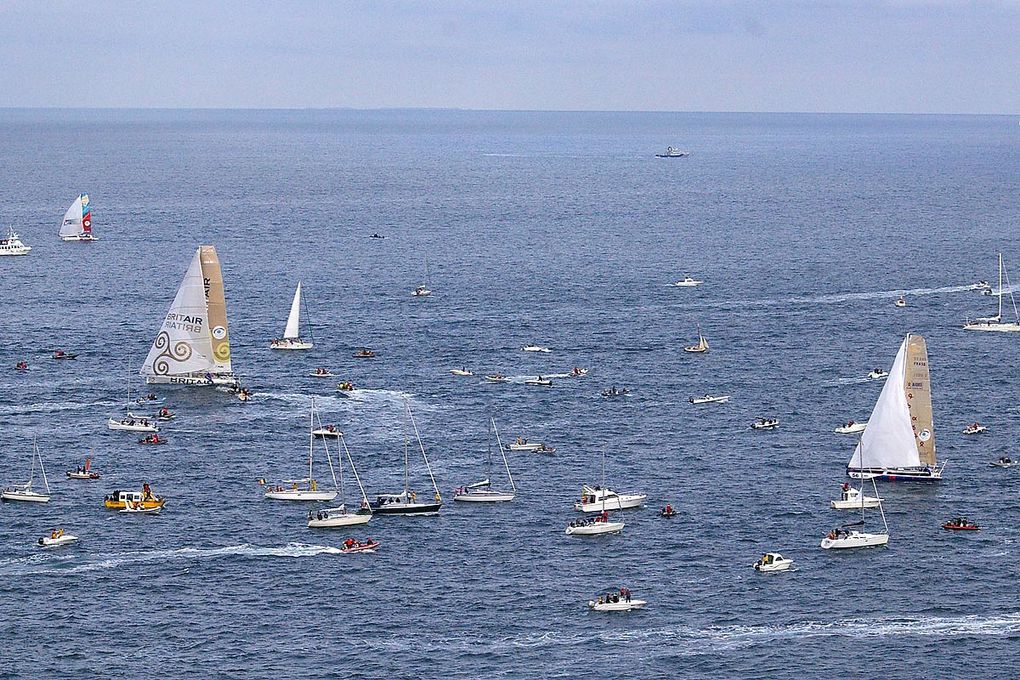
(24, 492)
(406, 502)
(292, 332)
(340, 516)
(482, 491)
(193, 344)
(900, 437)
(77, 222)
(701, 347)
(306, 489)
(995, 323)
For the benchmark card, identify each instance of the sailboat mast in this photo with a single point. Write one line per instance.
(364, 496)
(311, 437)
(42, 468)
(1000, 287)
(502, 453)
(425, 457)
(407, 441)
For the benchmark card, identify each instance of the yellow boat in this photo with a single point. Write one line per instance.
(118, 500)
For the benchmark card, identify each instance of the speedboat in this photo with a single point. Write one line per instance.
(765, 424)
(613, 392)
(364, 353)
(328, 431)
(57, 538)
(542, 448)
(688, 282)
(597, 499)
(852, 427)
(497, 378)
(901, 302)
(405, 503)
(539, 381)
(982, 285)
(960, 524)
(296, 492)
(64, 356)
(673, 152)
(709, 399)
(165, 414)
(535, 348)
(772, 562)
(131, 424)
(975, 428)
(118, 500)
(461, 372)
(878, 374)
(352, 546)
(593, 527)
(150, 400)
(337, 517)
(838, 539)
(523, 444)
(1004, 462)
(851, 498)
(321, 373)
(616, 602)
(82, 474)
(12, 245)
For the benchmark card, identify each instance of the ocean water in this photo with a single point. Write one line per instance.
(555, 228)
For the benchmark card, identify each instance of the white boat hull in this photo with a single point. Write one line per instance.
(856, 539)
(595, 529)
(457, 371)
(856, 503)
(291, 345)
(150, 510)
(66, 539)
(774, 567)
(24, 497)
(191, 381)
(993, 327)
(621, 606)
(851, 429)
(117, 425)
(323, 432)
(301, 495)
(709, 400)
(620, 502)
(346, 520)
(484, 497)
(525, 447)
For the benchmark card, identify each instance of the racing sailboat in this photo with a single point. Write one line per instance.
(193, 344)
(77, 223)
(292, 332)
(995, 323)
(482, 492)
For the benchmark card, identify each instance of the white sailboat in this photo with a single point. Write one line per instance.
(423, 290)
(193, 344)
(900, 437)
(24, 492)
(292, 332)
(12, 245)
(701, 347)
(482, 491)
(846, 536)
(340, 516)
(995, 323)
(601, 498)
(306, 489)
(406, 502)
(77, 223)
(601, 524)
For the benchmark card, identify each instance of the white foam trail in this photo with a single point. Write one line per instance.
(833, 298)
(52, 407)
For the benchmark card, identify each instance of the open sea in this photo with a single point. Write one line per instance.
(560, 229)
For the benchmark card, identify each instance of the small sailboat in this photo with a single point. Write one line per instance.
(84, 471)
(24, 492)
(900, 436)
(406, 502)
(423, 290)
(12, 245)
(701, 347)
(193, 345)
(57, 538)
(340, 516)
(306, 489)
(77, 223)
(292, 332)
(771, 562)
(995, 323)
(482, 491)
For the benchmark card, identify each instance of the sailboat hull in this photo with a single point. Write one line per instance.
(595, 529)
(407, 509)
(347, 520)
(993, 327)
(484, 497)
(856, 539)
(295, 344)
(221, 380)
(301, 495)
(898, 474)
(24, 497)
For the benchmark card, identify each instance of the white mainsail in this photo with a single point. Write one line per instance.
(900, 432)
(193, 337)
(77, 220)
(293, 330)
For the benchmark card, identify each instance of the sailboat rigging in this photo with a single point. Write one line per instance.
(995, 323)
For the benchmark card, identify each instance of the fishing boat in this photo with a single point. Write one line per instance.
(406, 502)
(900, 436)
(482, 491)
(292, 332)
(765, 424)
(1004, 462)
(12, 245)
(307, 488)
(131, 424)
(878, 374)
(995, 323)
(77, 223)
(619, 601)
(975, 428)
(340, 516)
(709, 399)
(701, 347)
(600, 498)
(84, 471)
(772, 562)
(193, 345)
(57, 538)
(688, 281)
(538, 381)
(461, 372)
(673, 152)
(119, 500)
(497, 378)
(23, 492)
(851, 427)
(536, 348)
(423, 290)
(851, 498)
(352, 546)
(960, 524)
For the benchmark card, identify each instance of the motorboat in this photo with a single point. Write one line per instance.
(153, 440)
(483, 491)
(352, 546)
(328, 431)
(673, 152)
(338, 517)
(975, 428)
(242, 395)
(539, 381)
(377, 236)
(21, 366)
(345, 386)
(24, 493)
(839, 539)
(522, 444)
(364, 353)
(291, 339)
(709, 399)
(150, 400)
(878, 374)
(688, 281)
(131, 424)
(461, 372)
(83, 472)
(599, 498)
(165, 414)
(542, 448)
(765, 424)
(536, 348)
(12, 245)
(901, 302)
(668, 512)
(620, 601)
(851, 498)
(421, 291)
(597, 526)
(1004, 462)
(578, 371)
(497, 378)
(772, 562)
(57, 538)
(321, 373)
(61, 355)
(851, 427)
(981, 285)
(612, 392)
(960, 524)
(119, 500)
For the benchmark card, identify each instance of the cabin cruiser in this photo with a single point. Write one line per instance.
(842, 538)
(620, 601)
(878, 374)
(593, 526)
(960, 524)
(497, 378)
(772, 562)
(597, 499)
(851, 427)
(851, 498)
(975, 428)
(461, 372)
(57, 538)
(12, 245)
(709, 399)
(688, 281)
(338, 517)
(538, 381)
(613, 392)
(765, 424)
(536, 348)
(1004, 462)
(673, 152)
(118, 500)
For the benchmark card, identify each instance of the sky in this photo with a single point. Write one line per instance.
(865, 56)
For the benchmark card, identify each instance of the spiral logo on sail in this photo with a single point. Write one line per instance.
(178, 351)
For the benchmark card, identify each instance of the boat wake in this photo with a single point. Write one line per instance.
(54, 407)
(833, 298)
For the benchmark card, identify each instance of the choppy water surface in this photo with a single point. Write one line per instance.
(558, 229)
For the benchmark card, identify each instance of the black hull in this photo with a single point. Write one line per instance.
(402, 509)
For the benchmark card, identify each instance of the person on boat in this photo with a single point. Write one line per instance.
(669, 509)
(22, 365)
(146, 491)
(625, 594)
(349, 543)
